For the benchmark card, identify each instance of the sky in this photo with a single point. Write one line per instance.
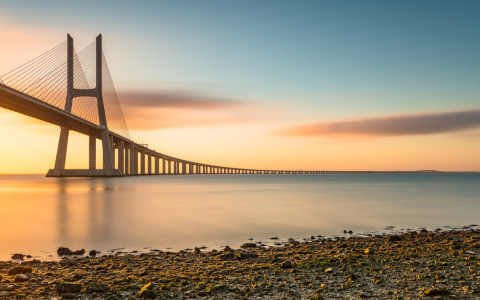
(312, 85)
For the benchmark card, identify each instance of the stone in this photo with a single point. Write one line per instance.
(249, 245)
(94, 287)
(329, 270)
(64, 251)
(365, 295)
(4, 293)
(68, 296)
(22, 278)
(147, 291)
(227, 248)
(227, 255)
(92, 253)
(18, 256)
(286, 264)
(435, 292)
(19, 270)
(393, 238)
(197, 250)
(67, 262)
(79, 252)
(369, 251)
(68, 287)
(243, 255)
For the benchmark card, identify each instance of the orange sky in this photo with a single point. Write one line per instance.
(241, 126)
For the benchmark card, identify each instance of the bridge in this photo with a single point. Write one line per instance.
(75, 91)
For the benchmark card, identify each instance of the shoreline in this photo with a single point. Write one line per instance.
(415, 264)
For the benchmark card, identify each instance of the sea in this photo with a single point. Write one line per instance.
(174, 213)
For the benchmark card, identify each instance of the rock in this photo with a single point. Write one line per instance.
(22, 278)
(69, 296)
(249, 245)
(227, 248)
(243, 255)
(94, 287)
(4, 293)
(79, 252)
(435, 292)
(18, 256)
(365, 295)
(369, 251)
(67, 262)
(227, 255)
(19, 270)
(68, 287)
(350, 232)
(197, 250)
(423, 231)
(393, 238)
(147, 291)
(286, 264)
(1, 278)
(92, 253)
(329, 270)
(64, 251)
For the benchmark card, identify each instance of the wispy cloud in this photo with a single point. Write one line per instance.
(176, 99)
(395, 125)
(168, 109)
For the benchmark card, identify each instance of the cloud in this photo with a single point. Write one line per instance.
(169, 109)
(176, 99)
(396, 125)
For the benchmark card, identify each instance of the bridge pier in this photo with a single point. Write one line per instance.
(92, 152)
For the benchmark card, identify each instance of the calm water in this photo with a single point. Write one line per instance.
(39, 214)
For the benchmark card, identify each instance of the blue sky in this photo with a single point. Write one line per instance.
(303, 62)
(374, 56)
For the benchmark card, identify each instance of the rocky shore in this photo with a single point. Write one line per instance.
(413, 265)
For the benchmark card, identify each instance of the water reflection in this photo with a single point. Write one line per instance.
(186, 211)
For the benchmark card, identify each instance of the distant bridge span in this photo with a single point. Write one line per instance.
(52, 95)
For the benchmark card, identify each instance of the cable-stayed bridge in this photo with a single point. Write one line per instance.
(76, 92)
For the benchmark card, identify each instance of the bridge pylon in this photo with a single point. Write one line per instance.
(108, 169)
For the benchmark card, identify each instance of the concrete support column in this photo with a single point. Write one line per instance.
(163, 166)
(157, 165)
(136, 161)
(142, 162)
(175, 169)
(61, 152)
(92, 152)
(127, 160)
(132, 160)
(149, 164)
(121, 153)
(112, 149)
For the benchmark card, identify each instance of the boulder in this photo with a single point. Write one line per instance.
(92, 253)
(67, 262)
(249, 245)
(68, 287)
(22, 278)
(286, 264)
(94, 287)
(64, 251)
(18, 256)
(369, 251)
(19, 270)
(243, 255)
(147, 291)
